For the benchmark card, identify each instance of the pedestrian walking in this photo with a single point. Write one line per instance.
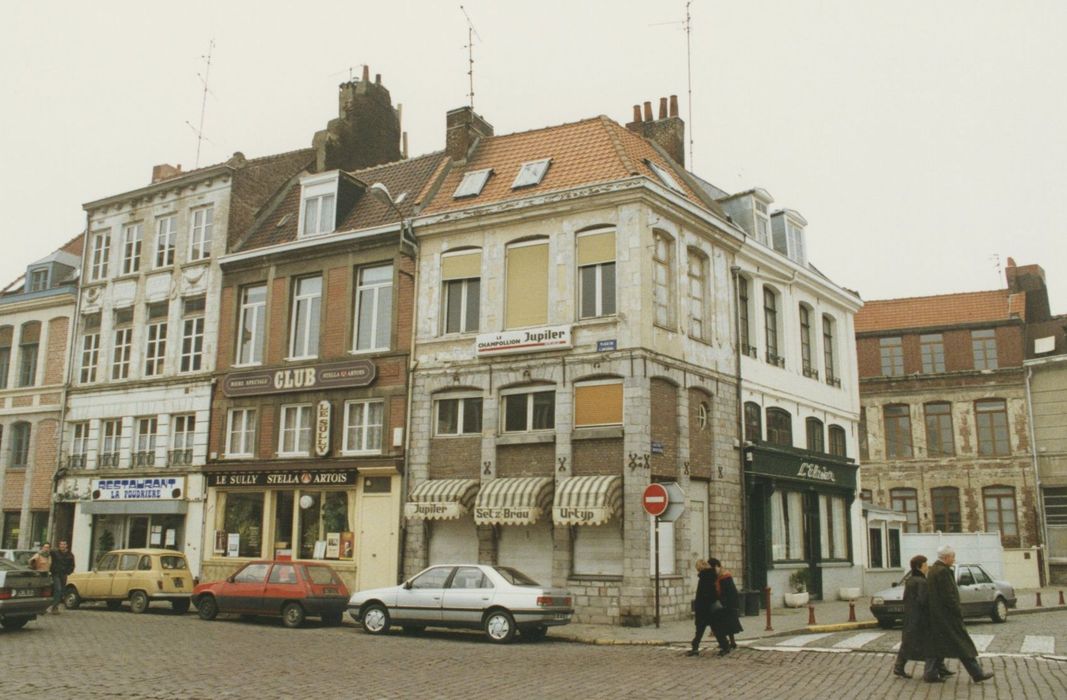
(948, 637)
(913, 642)
(42, 560)
(705, 596)
(724, 620)
(62, 567)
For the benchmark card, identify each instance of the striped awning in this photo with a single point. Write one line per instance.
(518, 501)
(587, 500)
(441, 499)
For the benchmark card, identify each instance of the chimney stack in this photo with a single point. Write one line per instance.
(1030, 279)
(668, 131)
(463, 129)
(165, 171)
(366, 131)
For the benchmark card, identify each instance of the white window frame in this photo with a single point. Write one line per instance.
(364, 428)
(319, 215)
(315, 189)
(110, 444)
(531, 173)
(666, 288)
(132, 243)
(762, 221)
(155, 348)
(284, 431)
(466, 325)
(122, 350)
(193, 340)
(201, 230)
(472, 183)
(461, 398)
(599, 290)
(100, 255)
(308, 332)
(166, 240)
(146, 438)
(79, 443)
(246, 433)
(90, 357)
(700, 282)
(182, 439)
(39, 279)
(529, 392)
(253, 314)
(375, 288)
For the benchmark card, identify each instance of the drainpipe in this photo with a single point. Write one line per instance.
(1042, 525)
(735, 271)
(412, 366)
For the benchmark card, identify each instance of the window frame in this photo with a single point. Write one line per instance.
(807, 345)
(99, 255)
(699, 281)
(753, 418)
(829, 350)
(837, 440)
(529, 393)
(934, 423)
(201, 232)
(943, 519)
(1001, 493)
(257, 312)
(665, 288)
(814, 432)
(311, 331)
(461, 400)
(785, 430)
(166, 241)
(895, 449)
(155, 348)
(771, 326)
(891, 354)
(21, 434)
(109, 444)
(905, 496)
(984, 344)
(193, 325)
(988, 430)
(932, 352)
(364, 428)
(465, 311)
(376, 289)
(744, 317)
(299, 427)
(132, 247)
(323, 216)
(249, 425)
(89, 357)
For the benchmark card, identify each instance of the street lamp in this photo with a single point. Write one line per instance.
(380, 192)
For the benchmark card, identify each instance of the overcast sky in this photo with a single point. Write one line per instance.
(923, 140)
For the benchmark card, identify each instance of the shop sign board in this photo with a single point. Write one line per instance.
(329, 375)
(322, 428)
(506, 515)
(800, 466)
(289, 477)
(434, 510)
(526, 340)
(156, 489)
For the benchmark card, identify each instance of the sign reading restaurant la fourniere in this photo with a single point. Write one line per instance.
(330, 375)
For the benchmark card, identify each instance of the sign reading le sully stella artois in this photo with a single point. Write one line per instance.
(526, 340)
(331, 375)
(289, 477)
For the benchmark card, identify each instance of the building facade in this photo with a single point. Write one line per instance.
(947, 438)
(36, 314)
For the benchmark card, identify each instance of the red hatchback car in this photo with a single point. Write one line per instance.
(293, 590)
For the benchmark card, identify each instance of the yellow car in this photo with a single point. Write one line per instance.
(141, 576)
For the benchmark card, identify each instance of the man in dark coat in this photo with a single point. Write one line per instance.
(62, 566)
(724, 621)
(916, 622)
(948, 637)
(705, 595)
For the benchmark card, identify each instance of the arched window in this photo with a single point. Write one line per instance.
(779, 427)
(698, 295)
(526, 302)
(753, 422)
(829, 356)
(945, 508)
(662, 279)
(596, 272)
(770, 327)
(906, 501)
(20, 444)
(744, 314)
(6, 334)
(813, 428)
(29, 340)
(807, 342)
(838, 446)
(897, 431)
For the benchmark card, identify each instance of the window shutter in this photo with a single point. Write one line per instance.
(596, 248)
(527, 285)
(458, 266)
(598, 404)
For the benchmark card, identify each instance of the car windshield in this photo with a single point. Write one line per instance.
(8, 565)
(21, 556)
(515, 577)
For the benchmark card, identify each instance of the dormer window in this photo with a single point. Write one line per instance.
(763, 222)
(318, 204)
(472, 183)
(38, 279)
(531, 173)
(788, 229)
(665, 177)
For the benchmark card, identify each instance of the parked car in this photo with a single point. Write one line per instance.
(19, 556)
(141, 576)
(499, 600)
(24, 594)
(292, 590)
(980, 596)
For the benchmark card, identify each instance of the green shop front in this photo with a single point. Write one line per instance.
(800, 521)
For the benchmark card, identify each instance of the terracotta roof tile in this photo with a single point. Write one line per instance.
(941, 310)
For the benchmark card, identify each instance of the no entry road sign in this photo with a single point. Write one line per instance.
(655, 499)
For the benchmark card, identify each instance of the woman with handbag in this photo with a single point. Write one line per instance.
(724, 620)
(705, 595)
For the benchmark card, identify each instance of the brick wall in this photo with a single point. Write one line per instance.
(700, 438)
(959, 353)
(227, 328)
(455, 457)
(45, 456)
(336, 311)
(525, 460)
(664, 423)
(277, 321)
(598, 457)
(55, 359)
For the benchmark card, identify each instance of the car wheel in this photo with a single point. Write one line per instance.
(113, 604)
(207, 607)
(138, 602)
(179, 606)
(332, 619)
(71, 599)
(885, 623)
(414, 629)
(1000, 610)
(376, 619)
(14, 623)
(500, 626)
(292, 615)
(535, 634)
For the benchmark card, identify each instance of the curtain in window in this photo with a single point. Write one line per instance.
(778, 547)
(795, 510)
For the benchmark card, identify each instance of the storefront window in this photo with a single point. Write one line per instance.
(310, 505)
(834, 531)
(787, 526)
(244, 517)
(325, 512)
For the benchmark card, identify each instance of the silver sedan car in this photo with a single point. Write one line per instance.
(499, 600)
(980, 596)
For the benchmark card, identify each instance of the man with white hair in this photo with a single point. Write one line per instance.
(948, 636)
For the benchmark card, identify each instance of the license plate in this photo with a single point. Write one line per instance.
(25, 592)
(329, 591)
(179, 582)
(562, 616)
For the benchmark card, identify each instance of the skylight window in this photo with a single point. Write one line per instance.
(665, 177)
(472, 183)
(531, 173)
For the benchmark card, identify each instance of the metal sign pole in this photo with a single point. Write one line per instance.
(657, 572)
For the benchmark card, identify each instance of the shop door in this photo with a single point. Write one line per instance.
(137, 535)
(377, 543)
(813, 542)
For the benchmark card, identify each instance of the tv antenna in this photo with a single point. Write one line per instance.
(687, 25)
(471, 33)
(199, 130)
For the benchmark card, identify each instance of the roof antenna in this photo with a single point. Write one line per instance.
(199, 131)
(471, 33)
(687, 25)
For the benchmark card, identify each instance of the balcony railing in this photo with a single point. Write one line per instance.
(180, 458)
(833, 381)
(749, 350)
(774, 359)
(109, 459)
(146, 458)
(811, 373)
(76, 461)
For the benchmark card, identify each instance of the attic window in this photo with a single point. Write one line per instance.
(39, 279)
(665, 177)
(531, 173)
(318, 204)
(472, 183)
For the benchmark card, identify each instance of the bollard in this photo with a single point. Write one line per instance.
(1061, 598)
(1038, 603)
(811, 614)
(851, 611)
(767, 605)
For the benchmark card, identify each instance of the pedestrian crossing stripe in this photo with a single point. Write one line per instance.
(982, 641)
(1038, 644)
(1031, 645)
(857, 641)
(803, 639)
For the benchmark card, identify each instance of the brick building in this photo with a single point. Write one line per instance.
(35, 325)
(309, 415)
(947, 439)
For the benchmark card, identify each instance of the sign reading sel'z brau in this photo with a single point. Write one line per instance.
(291, 477)
(332, 375)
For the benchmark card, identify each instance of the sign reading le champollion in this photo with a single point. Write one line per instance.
(331, 375)
(526, 340)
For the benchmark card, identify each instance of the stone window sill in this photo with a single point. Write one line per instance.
(525, 438)
(599, 433)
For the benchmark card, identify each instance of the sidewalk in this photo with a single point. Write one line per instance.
(830, 616)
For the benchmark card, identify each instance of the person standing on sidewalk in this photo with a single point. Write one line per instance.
(724, 620)
(913, 646)
(948, 637)
(62, 567)
(705, 595)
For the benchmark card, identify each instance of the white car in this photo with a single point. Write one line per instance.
(497, 599)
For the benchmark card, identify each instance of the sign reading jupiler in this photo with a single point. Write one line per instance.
(330, 375)
(527, 340)
(814, 471)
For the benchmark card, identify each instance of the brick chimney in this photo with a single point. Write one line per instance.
(463, 128)
(366, 132)
(165, 171)
(1030, 279)
(668, 131)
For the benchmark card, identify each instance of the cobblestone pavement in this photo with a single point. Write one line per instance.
(95, 653)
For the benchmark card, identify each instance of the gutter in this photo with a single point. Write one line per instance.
(746, 563)
(1042, 524)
